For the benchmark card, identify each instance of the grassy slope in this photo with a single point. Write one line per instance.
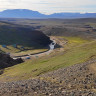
(76, 51)
(18, 51)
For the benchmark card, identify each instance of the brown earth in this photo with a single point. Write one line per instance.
(85, 27)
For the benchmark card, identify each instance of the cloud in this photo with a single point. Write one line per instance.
(50, 6)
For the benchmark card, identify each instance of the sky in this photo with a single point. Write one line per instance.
(51, 6)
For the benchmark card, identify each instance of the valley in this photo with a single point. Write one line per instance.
(67, 70)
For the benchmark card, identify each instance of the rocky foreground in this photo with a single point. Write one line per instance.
(77, 80)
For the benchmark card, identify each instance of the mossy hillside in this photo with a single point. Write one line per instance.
(73, 55)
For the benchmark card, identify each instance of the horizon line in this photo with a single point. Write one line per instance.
(50, 13)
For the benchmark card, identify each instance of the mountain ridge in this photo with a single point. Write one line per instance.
(25, 13)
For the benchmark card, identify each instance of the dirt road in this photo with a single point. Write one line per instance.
(56, 41)
(28, 56)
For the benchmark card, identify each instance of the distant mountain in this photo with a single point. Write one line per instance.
(73, 15)
(24, 13)
(21, 13)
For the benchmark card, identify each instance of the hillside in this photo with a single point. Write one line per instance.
(83, 28)
(68, 70)
(77, 80)
(64, 73)
(15, 34)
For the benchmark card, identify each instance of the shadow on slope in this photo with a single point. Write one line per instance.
(7, 61)
(13, 34)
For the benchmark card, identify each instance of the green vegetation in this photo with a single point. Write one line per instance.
(18, 51)
(76, 51)
(10, 49)
(75, 40)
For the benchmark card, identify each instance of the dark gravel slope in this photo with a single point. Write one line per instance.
(16, 34)
(7, 61)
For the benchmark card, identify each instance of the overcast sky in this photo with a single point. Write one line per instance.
(50, 6)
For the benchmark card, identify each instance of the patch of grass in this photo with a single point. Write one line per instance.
(19, 52)
(29, 52)
(9, 49)
(78, 54)
(92, 25)
(74, 41)
(44, 61)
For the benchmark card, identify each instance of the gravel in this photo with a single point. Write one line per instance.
(77, 80)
